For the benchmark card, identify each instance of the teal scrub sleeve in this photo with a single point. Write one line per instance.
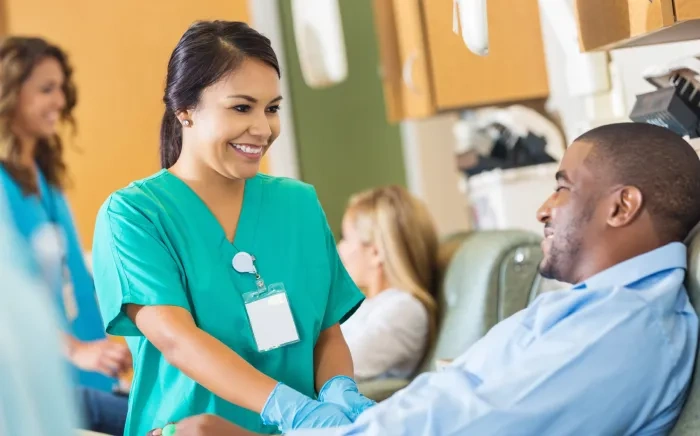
(345, 297)
(132, 265)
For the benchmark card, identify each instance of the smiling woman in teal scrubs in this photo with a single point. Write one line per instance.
(255, 340)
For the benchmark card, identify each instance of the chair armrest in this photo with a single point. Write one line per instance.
(381, 389)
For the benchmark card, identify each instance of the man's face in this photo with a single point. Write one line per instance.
(569, 215)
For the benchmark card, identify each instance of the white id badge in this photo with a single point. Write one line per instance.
(49, 249)
(271, 317)
(70, 303)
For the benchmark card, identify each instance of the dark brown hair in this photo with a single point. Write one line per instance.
(205, 53)
(18, 58)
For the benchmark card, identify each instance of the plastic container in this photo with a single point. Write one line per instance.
(509, 199)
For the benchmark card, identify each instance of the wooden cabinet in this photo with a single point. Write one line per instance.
(427, 68)
(403, 59)
(611, 24)
(3, 18)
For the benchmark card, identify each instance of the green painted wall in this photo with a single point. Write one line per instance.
(344, 142)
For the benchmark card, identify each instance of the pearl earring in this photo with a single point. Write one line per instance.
(187, 123)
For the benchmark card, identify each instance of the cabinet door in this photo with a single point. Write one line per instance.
(403, 60)
(607, 25)
(685, 9)
(3, 15)
(603, 23)
(513, 70)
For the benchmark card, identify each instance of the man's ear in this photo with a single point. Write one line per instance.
(626, 205)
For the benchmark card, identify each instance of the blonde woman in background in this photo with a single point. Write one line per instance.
(390, 249)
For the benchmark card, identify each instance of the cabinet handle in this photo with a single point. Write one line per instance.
(407, 72)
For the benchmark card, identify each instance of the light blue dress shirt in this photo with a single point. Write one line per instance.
(611, 356)
(35, 394)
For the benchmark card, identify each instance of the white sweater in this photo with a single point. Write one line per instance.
(387, 335)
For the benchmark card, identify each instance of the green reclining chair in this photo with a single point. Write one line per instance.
(689, 421)
(492, 275)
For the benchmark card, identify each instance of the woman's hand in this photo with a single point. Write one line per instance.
(103, 356)
(343, 391)
(204, 425)
(290, 410)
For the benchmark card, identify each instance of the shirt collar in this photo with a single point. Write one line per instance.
(670, 256)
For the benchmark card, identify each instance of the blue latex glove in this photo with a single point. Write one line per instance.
(342, 390)
(289, 410)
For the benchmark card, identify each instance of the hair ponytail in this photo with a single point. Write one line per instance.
(170, 139)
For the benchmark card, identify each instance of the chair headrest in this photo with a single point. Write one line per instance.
(689, 422)
(489, 278)
(692, 280)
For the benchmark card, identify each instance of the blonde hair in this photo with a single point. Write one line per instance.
(401, 228)
(18, 57)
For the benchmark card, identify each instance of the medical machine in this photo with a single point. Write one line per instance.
(675, 104)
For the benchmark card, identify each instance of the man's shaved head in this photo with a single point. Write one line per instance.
(660, 163)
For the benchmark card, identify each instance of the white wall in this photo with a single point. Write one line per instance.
(431, 170)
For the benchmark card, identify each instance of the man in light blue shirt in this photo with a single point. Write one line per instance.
(35, 394)
(611, 356)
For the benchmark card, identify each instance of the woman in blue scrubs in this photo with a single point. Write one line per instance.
(36, 94)
(226, 282)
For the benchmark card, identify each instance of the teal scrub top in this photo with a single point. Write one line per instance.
(157, 243)
(30, 214)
